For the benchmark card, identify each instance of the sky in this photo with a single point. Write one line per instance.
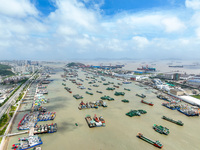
(95, 29)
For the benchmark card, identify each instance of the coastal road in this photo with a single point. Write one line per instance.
(4, 108)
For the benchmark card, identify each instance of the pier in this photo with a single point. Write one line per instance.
(14, 134)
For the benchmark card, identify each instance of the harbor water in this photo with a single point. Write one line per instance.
(120, 130)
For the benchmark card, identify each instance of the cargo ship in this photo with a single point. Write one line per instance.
(151, 104)
(155, 143)
(160, 129)
(177, 66)
(173, 121)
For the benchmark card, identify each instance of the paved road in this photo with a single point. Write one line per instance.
(4, 108)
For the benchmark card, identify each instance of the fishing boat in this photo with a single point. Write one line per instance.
(99, 92)
(110, 88)
(125, 101)
(48, 128)
(90, 93)
(90, 121)
(160, 129)
(77, 96)
(127, 89)
(126, 82)
(155, 143)
(119, 93)
(116, 86)
(96, 118)
(30, 142)
(107, 98)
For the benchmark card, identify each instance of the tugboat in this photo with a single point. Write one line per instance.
(173, 121)
(151, 104)
(155, 143)
(160, 129)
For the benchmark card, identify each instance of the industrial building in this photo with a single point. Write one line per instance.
(160, 85)
(177, 92)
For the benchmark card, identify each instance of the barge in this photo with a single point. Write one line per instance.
(151, 104)
(173, 121)
(155, 143)
(142, 95)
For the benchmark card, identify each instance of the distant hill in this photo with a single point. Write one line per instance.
(5, 70)
(73, 64)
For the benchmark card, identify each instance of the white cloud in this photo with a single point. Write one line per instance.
(193, 4)
(140, 41)
(198, 32)
(74, 30)
(173, 24)
(17, 8)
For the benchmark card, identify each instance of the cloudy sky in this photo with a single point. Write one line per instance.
(75, 29)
